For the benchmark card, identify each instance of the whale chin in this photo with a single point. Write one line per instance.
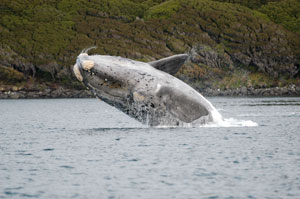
(145, 91)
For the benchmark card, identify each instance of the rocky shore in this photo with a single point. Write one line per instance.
(46, 93)
(291, 91)
(288, 91)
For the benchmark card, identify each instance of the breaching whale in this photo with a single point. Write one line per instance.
(145, 91)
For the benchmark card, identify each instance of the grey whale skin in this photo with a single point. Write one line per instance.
(145, 91)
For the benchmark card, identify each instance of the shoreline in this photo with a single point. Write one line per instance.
(288, 91)
(45, 94)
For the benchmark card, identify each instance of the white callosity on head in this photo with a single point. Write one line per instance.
(77, 73)
(83, 54)
(87, 64)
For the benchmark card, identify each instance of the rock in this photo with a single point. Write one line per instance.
(243, 91)
(14, 88)
(14, 95)
(202, 54)
(12, 59)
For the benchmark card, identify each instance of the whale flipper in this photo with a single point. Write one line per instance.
(171, 64)
(180, 105)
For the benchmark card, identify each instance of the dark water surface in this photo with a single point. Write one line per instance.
(82, 148)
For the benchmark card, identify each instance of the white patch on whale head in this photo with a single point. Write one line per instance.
(87, 65)
(83, 54)
(77, 73)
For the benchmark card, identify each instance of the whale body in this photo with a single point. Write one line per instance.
(145, 91)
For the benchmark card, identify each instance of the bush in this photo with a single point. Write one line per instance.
(10, 75)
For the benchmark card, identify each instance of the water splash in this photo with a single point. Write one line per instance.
(231, 122)
(224, 123)
(216, 120)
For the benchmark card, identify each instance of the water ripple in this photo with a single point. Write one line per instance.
(90, 150)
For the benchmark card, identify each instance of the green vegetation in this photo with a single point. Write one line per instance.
(9, 75)
(286, 13)
(163, 10)
(253, 4)
(242, 78)
(42, 38)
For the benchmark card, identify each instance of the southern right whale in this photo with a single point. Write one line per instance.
(145, 91)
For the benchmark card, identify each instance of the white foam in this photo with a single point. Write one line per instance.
(216, 116)
(231, 122)
(216, 120)
(225, 123)
(219, 121)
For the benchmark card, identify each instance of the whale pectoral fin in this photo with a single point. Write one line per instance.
(187, 109)
(171, 64)
(181, 106)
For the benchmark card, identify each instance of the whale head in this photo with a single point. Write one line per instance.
(104, 76)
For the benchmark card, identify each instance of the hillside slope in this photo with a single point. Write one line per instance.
(239, 43)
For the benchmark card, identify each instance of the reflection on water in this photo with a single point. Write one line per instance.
(82, 148)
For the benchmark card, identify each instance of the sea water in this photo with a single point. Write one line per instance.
(83, 148)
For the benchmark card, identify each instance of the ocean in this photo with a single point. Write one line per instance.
(83, 148)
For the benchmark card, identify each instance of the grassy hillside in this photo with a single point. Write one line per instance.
(41, 39)
(253, 4)
(286, 13)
